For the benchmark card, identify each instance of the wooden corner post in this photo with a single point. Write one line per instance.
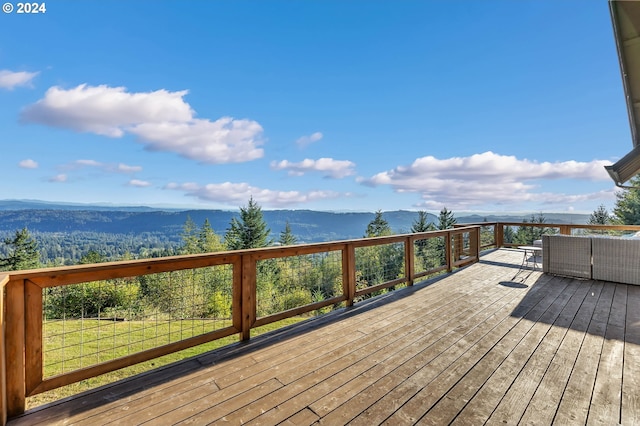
(249, 284)
(14, 347)
(498, 234)
(4, 279)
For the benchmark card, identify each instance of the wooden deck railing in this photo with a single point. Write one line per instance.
(496, 230)
(22, 309)
(22, 316)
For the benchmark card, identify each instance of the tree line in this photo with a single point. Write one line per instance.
(282, 283)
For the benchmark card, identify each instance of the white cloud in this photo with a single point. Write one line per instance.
(161, 120)
(235, 194)
(105, 167)
(487, 178)
(28, 164)
(10, 79)
(308, 140)
(88, 163)
(139, 183)
(328, 166)
(128, 169)
(225, 140)
(58, 178)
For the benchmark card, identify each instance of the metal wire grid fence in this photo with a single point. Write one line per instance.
(295, 281)
(428, 254)
(89, 323)
(379, 264)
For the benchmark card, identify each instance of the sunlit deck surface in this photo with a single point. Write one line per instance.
(477, 346)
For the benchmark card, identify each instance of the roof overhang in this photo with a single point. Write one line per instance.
(625, 16)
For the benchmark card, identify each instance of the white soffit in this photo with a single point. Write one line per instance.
(626, 26)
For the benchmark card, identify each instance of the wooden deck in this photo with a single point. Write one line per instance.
(478, 346)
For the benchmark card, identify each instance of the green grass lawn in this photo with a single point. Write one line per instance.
(73, 344)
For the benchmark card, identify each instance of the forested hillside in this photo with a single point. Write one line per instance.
(307, 225)
(65, 233)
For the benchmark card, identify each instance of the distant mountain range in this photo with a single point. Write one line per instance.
(307, 225)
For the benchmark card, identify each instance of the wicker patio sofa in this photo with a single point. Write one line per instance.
(566, 255)
(599, 258)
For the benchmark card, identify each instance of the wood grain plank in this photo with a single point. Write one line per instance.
(543, 404)
(482, 404)
(393, 354)
(574, 405)
(631, 371)
(533, 333)
(392, 391)
(301, 418)
(212, 412)
(311, 375)
(439, 329)
(454, 401)
(517, 398)
(269, 370)
(607, 391)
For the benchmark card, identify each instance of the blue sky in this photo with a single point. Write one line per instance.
(326, 105)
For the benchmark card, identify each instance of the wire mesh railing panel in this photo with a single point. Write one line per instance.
(429, 254)
(94, 322)
(379, 264)
(487, 236)
(295, 281)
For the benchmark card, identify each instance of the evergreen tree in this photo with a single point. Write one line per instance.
(446, 220)
(425, 248)
(22, 252)
(189, 237)
(286, 236)
(208, 241)
(600, 216)
(509, 235)
(486, 234)
(380, 263)
(92, 256)
(421, 224)
(627, 208)
(378, 227)
(528, 234)
(250, 231)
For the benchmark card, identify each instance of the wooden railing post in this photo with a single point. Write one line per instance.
(477, 237)
(565, 230)
(249, 290)
(349, 273)
(447, 252)
(409, 266)
(4, 279)
(498, 234)
(14, 347)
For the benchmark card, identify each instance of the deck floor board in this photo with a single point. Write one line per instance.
(489, 344)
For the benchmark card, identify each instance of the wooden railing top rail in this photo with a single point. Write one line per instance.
(62, 275)
(558, 225)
